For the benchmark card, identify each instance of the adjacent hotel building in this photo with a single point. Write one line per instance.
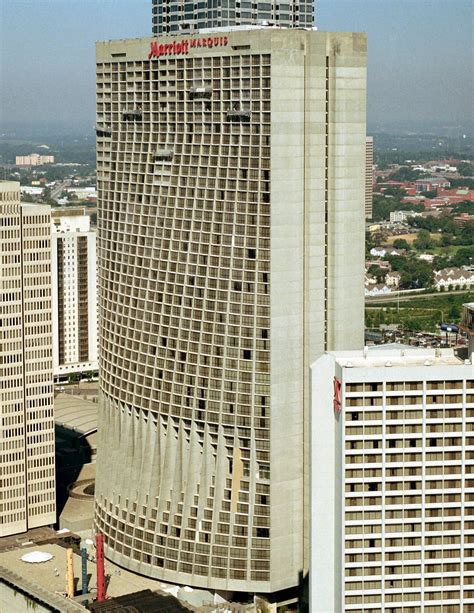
(27, 485)
(181, 17)
(231, 181)
(74, 292)
(392, 501)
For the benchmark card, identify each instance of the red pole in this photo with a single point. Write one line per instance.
(99, 543)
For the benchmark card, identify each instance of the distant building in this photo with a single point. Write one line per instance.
(453, 278)
(83, 193)
(392, 481)
(463, 218)
(381, 252)
(399, 216)
(431, 183)
(74, 292)
(183, 18)
(467, 325)
(427, 257)
(34, 159)
(31, 190)
(377, 290)
(369, 175)
(27, 488)
(392, 279)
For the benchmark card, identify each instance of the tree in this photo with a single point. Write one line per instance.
(415, 274)
(405, 173)
(423, 240)
(466, 206)
(401, 243)
(377, 272)
(465, 169)
(446, 239)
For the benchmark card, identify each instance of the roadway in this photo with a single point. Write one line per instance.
(58, 189)
(403, 297)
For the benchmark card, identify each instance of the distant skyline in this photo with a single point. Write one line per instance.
(419, 69)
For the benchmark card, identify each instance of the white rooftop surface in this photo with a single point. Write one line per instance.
(75, 413)
(406, 357)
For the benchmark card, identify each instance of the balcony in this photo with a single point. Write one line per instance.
(103, 131)
(163, 155)
(135, 115)
(200, 93)
(238, 115)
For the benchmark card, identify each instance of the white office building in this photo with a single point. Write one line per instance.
(392, 482)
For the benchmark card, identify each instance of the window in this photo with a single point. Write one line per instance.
(263, 533)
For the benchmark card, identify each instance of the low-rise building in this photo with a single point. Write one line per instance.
(382, 251)
(453, 278)
(463, 219)
(377, 290)
(392, 279)
(431, 183)
(398, 216)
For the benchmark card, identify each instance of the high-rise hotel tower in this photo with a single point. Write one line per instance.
(27, 484)
(231, 174)
(180, 17)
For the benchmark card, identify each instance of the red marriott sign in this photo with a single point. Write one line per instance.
(182, 47)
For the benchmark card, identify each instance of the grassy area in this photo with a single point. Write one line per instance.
(408, 237)
(423, 313)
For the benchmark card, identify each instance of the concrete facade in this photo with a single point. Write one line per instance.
(392, 494)
(369, 177)
(231, 228)
(27, 488)
(74, 292)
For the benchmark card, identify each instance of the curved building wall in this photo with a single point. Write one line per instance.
(216, 294)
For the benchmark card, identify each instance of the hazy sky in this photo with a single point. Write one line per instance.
(420, 55)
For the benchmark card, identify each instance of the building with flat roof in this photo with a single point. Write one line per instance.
(180, 18)
(392, 500)
(34, 159)
(231, 226)
(74, 292)
(27, 488)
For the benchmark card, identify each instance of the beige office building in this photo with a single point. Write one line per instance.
(231, 171)
(27, 488)
(74, 292)
(392, 502)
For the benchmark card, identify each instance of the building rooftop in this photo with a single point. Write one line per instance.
(75, 414)
(397, 356)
